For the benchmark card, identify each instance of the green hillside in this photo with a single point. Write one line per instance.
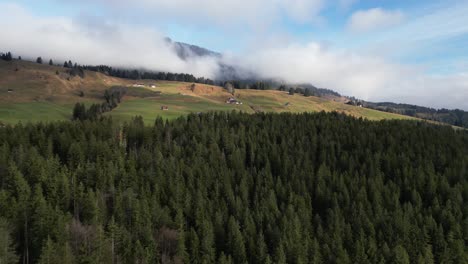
(36, 92)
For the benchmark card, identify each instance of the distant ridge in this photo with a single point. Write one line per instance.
(186, 51)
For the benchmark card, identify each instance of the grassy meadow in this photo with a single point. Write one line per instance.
(30, 92)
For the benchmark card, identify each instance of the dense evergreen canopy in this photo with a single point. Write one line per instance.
(234, 188)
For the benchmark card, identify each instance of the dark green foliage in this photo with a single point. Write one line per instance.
(77, 71)
(115, 94)
(79, 111)
(314, 91)
(308, 92)
(135, 74)
(7, 249)
(236, 188)
(113, 97)
(250, 84)
(92, 113)
(51, 62)
(454, 117)
(6, 56)
(261, 86)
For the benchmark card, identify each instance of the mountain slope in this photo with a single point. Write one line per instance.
(28, 81)
(185, 51)
(36, 92)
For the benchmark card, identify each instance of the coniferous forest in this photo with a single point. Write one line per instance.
(234, 188)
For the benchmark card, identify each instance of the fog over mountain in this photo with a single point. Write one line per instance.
(92, 40)
(187, 51)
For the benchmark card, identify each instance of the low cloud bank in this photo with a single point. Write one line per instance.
(365, 77)
(89, 40)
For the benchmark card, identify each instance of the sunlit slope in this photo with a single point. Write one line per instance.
(38, 92)
(181, 98)
(30, 81)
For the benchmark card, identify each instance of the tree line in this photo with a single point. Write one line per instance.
(143, 74)
(113, 97)
(7, 56)
(234, 188)
(454, 117)
(134, 74)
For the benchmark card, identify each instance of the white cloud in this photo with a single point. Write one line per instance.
(374, 19)
(93, 41)
(370, 78)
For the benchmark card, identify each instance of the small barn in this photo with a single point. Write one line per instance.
(232, 100)
(164, 107)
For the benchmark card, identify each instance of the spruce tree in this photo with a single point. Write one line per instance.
(7, 247)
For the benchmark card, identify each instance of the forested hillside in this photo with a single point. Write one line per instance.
(456, 117)
(234, 188)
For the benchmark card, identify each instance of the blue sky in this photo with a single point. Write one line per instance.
(330, 27)
(374, 49)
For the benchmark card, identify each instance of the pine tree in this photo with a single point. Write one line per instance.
(79, 112)
(400, 256)
(7, 247)
(261, 252)
(49, 253)
(23, 193)
(235, 241)
(280, 256)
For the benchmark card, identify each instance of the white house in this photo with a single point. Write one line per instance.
(232, 100)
